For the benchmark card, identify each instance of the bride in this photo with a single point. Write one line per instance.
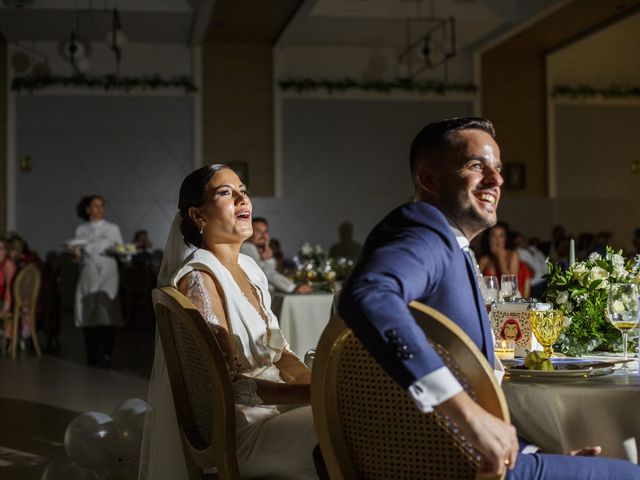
(203, 262)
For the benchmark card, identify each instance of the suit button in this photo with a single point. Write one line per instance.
(407, 356)
(393, 333)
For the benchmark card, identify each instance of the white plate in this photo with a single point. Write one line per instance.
(76, 242)
(522, 374)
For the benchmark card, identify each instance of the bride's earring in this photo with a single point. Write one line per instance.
(201, 228)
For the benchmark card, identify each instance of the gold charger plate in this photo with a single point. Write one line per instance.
(576, 374)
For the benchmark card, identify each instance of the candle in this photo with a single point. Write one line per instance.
(504, 349)
(572, 252)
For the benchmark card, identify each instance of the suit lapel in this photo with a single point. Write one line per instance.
(487, 342)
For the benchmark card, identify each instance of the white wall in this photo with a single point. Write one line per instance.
(132, 150)
(345, 160)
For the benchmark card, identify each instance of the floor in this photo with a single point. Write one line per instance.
(40, 396)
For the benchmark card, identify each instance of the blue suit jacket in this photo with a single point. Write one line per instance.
(412, 255)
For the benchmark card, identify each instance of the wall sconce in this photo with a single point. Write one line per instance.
(634, 166)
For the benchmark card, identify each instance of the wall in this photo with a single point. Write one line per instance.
(132, 150)
(3, 133)
(345, 160)
(237, 109)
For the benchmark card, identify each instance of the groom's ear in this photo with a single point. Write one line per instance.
(196, 215)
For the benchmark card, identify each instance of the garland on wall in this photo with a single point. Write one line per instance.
(585, 91)
(31, 83)
(309, 85)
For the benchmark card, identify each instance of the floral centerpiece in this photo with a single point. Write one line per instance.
(580, 292)
(316, 267)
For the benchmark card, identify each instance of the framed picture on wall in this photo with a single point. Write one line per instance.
(242, 169)
(514, 175)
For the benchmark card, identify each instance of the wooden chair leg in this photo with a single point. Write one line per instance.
(15, 334)
(34, 335)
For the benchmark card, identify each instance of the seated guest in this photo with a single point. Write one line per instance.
(346, 247)
(7, 272)
(203, 260)
(20, 253)
(536, 261)
(257, 247)
(496, 259)
(420, 252)
(278, 254)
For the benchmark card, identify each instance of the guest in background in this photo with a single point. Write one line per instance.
(497, 259)
(274, 244)
(535, 259)
(257, 247)
(138, 282)
(20, 253)
(603, 240)
(585, 245)
(346, 247)
(7, 272)
(635, 241)
(96, 309)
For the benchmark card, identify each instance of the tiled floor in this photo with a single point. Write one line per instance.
(40, 396)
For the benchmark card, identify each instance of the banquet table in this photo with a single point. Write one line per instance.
(302, 318)
(566, 414)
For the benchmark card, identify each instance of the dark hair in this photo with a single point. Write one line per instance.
(259, 219)
(138, 234)
(484, 240)
(440, 134)
(81, 208)
(192, 195)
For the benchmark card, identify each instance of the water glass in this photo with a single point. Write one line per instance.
(622, 311)
(509, 287)
(489, 288)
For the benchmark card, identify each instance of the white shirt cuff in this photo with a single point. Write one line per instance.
(529, 449)
(434, 388)
(498, 369)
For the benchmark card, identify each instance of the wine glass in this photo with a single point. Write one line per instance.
(489, 289)
(508, 287)
(622, 310)
(546, 326)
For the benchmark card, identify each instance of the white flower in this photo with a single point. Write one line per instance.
(306, 250)
(604, 285)
(594, 256)
(619, 272)
(617, 261)
(319, 249)
(562, 298)
(580, 298)
(598, 273)
(579, 270)
(566, 321)
(568, 307)
(617, 306)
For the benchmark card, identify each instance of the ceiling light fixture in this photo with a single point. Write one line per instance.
(431, 42)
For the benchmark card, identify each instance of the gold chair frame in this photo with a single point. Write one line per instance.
(200, 383)
(369, 428)
(26, 287)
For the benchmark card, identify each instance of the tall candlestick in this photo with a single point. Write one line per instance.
(572, 252)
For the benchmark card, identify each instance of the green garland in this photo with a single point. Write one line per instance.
(584, 91)
(31, 83)
(406, 85)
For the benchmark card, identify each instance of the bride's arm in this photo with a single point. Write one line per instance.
(201, 289)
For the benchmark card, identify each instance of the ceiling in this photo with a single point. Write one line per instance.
(343, 23)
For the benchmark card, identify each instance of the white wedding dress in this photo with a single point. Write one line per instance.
(270, 442)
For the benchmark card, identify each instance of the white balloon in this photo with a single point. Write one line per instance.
(63, 469)
(129, 419)
(91, 440)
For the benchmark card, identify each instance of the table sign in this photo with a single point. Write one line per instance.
(510, 322)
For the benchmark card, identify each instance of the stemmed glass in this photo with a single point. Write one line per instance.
(622, 310)
(546, 326)
(489, 289)
(509, 287)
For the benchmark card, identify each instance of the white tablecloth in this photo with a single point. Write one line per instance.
(302, 318)
(560, 416)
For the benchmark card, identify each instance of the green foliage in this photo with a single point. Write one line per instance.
(583, 91)
(31, 83)
(406, 85)
(580, 292)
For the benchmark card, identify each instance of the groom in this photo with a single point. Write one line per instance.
(420, 251)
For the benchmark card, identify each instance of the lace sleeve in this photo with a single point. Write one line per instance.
(244, 389)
